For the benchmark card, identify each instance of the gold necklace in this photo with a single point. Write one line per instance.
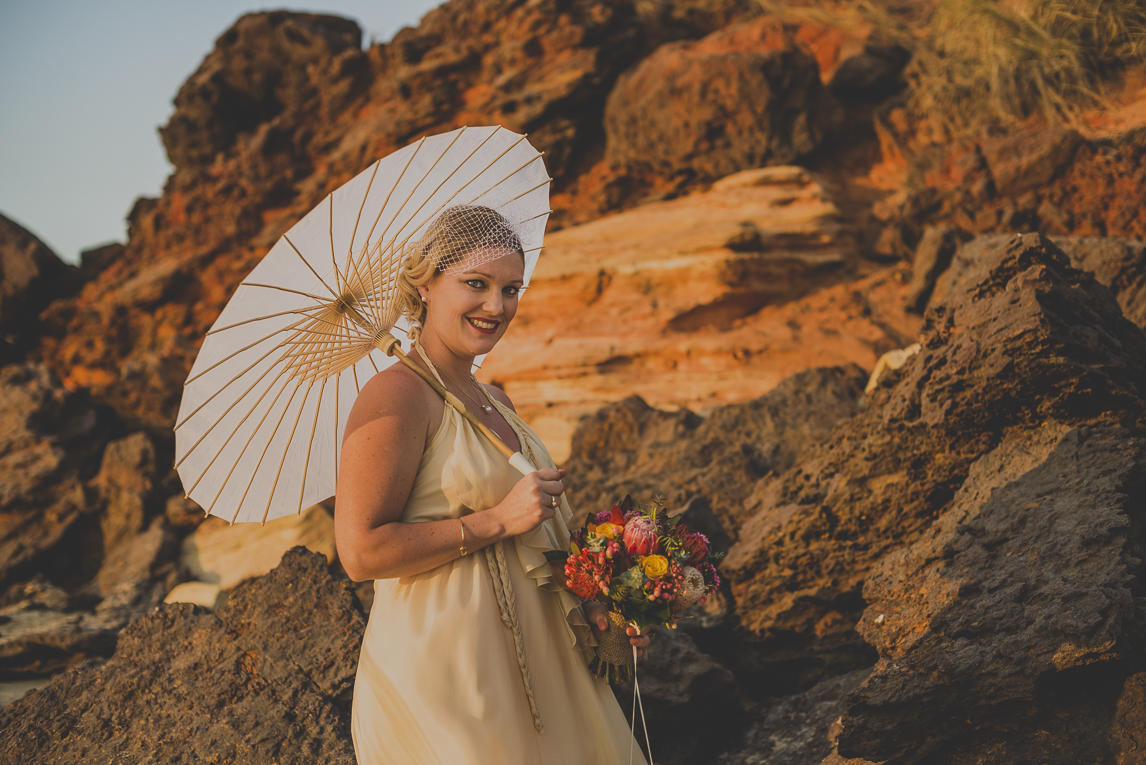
(484, 407)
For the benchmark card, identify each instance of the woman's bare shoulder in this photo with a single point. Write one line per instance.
(499, 394)
(393, 392)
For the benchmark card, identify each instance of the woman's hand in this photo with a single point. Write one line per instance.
(599, 623)
(530, 502)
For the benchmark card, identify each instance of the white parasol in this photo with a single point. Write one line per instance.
(265, 405)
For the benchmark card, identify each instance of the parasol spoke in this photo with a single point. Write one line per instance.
(245, 348)
(233, 432)
(418, 185)
(250, 440)
(266, 448)
(460, 190)
(315, 298)
(527, 191)
(286, 451)
(244, 322)
(333, 293)
(330, 229)
(310, 443)
(351, 267)
(227, 411)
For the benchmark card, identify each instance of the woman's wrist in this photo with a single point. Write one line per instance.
(482, 530)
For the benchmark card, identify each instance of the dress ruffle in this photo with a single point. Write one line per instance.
(464, 479)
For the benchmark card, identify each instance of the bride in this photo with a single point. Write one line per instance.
(474, 653)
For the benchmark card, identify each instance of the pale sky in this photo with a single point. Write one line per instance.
(84, 85)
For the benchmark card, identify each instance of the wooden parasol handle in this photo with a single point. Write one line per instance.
(389, 345)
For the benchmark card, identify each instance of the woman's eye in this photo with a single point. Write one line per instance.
(477, 284)
(512, 291)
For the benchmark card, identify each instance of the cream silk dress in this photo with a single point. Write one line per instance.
(439, 680)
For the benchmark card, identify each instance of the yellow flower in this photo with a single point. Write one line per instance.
(609, 530)
(655, 566)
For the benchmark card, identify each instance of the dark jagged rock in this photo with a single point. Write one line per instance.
(691, 702)
(258, 70)
(30, 276)
(796, 730)
(1120, 264)
(1025, 344)
(871, 76)
(740, 98)
(1010, 625)
(267, 680)
(50, 445)
(629, 447)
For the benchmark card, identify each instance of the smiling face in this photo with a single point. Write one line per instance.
(469, 311)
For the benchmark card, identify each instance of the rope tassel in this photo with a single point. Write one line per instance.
(503, 588)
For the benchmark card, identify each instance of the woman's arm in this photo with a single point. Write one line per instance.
(386, 433)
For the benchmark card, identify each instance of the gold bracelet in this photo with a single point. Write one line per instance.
(463, 548)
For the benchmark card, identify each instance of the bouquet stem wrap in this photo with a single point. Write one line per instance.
(614, 660)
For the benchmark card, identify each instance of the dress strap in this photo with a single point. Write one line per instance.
(499, 566)
(426, 358)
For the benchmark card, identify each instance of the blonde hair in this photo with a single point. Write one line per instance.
(446, 246)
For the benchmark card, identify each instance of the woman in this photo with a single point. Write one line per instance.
(469, 657)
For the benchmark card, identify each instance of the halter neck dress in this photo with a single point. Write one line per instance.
(439, 677)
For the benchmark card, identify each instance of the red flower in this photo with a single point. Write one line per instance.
(696, 545)
(616, 517)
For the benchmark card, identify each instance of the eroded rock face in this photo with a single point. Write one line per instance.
(1120, 264)
(258, 69)
(1012, 614)
(742, 97)
(1029, 339)
(629, 447)
(285, 110)
(1017, 427)
(708, 299)
(266, 680)
(50, 444)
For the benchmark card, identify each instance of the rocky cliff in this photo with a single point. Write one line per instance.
(942, 568)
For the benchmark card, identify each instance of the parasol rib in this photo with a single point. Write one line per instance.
(310, 444)
(235, 403)
(247, 445)
(527, 191)
(286, 451)
(267, 316)
(266, 448)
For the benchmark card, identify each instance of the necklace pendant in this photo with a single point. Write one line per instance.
(486, 408)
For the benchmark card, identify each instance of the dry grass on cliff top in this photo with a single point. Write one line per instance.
(991, 63)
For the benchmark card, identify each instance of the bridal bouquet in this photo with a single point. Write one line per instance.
(645, 567)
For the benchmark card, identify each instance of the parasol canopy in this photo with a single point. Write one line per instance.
(264, 407)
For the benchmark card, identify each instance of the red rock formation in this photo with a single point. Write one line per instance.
(284, 110)
(742, 97)
(707, 299)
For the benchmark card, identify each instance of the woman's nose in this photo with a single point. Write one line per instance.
(494, 303)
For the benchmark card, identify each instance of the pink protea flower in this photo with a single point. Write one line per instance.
(641, 535)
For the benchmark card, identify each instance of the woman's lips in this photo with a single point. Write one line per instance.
(485, 326)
